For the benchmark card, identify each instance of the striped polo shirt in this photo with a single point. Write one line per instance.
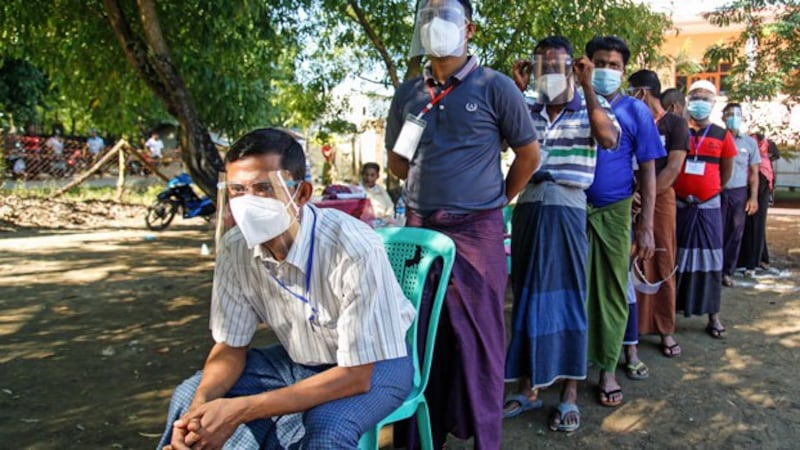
(569, 151)
(361, 313)
(708, 145)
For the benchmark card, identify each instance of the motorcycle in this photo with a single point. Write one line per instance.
(178, 195)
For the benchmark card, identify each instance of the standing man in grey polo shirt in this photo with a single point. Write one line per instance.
(740, 196)
(445, 132)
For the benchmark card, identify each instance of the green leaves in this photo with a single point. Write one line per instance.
(23, 87)
(250, 63)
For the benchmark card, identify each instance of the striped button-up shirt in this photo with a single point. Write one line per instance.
(361, 312)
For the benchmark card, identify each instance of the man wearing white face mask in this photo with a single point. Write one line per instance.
(445, 133)
(609, 215)
(740, 196)
(706, 170)
(549, 248)
(321, 281)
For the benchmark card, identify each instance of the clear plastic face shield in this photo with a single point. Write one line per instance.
(262, 208)
(733, 118)
(440, 29)
(552, 79)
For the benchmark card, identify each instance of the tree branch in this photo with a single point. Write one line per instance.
(379, 45)
(136, 52)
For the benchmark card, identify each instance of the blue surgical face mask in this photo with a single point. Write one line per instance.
(733, 123)
(606, 81)
(699, 109)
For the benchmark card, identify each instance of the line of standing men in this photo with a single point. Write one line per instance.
(573, 234)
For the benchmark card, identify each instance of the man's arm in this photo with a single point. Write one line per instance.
(603, 129)
(223, 367)
(666, 178)
(526, 161)
(211, 424)
(725, 170)
(644, 247)
(751, 207)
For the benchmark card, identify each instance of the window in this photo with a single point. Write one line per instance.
(715, 75)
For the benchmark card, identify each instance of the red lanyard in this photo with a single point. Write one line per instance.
(435, 98)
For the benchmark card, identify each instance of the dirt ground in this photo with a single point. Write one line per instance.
(99, 322)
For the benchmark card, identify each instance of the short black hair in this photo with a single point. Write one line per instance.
(646, 79)
(553, 42)
(732, 105)
(608, 43)
(370, 165)
(271, 141)
(671, 97)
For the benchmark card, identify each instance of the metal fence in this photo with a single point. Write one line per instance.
(32, 158)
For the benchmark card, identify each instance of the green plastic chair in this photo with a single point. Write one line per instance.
(412, 252)
(508, 213)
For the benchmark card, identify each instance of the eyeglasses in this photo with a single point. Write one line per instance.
(559, 64)
(258, 188)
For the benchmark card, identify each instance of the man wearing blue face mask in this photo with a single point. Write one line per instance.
(445, 133)
(321, 281)
(706, 170)
(609, 214)
(740, 196)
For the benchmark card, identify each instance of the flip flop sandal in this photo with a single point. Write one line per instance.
(561, 413)
(523, 402)
(715, 332)
(604, 397)
(638, 371)
(669, 350)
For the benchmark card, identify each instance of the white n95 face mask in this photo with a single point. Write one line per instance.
(260, 219)
(442, 38)
(551, 85)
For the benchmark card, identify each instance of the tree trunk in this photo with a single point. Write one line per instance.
(150, 56)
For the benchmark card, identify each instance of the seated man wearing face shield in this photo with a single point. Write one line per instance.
(322, 282)
(549, 246)
(445, 132)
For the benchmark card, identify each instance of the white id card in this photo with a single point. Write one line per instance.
(695, 167)
(410, 135)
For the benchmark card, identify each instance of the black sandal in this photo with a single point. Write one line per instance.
(715, 332)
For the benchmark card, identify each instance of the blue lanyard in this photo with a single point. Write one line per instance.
(697, 145)
(312, 316)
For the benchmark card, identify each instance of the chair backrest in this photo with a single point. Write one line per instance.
(412, 252)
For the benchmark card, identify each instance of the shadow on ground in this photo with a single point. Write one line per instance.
(96, 329)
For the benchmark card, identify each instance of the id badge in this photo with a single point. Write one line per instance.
(695, 167)
(410, 135)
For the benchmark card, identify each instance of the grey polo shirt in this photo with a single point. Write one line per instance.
(746, 155)
(457, 165)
